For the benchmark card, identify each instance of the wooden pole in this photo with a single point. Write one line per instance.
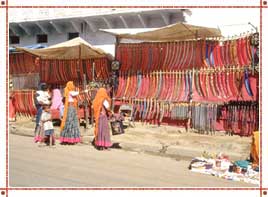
(117, 41)
(84, 89)
(79, 65)
(93, 71)
(85, 101)
(191, 94)
(93, 79)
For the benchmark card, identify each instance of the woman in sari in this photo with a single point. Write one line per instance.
(101, 106)
(57, 101)
(70, 133)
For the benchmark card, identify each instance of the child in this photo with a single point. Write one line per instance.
(46, 121)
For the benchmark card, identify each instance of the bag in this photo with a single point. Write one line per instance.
(117, 127)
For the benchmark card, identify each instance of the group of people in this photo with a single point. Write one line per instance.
(46, 100)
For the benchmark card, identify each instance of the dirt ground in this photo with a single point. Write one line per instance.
(33, 165)
(168, 139)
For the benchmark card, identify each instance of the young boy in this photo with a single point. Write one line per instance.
(46, 120)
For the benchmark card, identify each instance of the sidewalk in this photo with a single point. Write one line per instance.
(165, 141)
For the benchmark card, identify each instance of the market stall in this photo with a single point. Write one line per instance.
(23, 78)
(185, 72)
(73, 60)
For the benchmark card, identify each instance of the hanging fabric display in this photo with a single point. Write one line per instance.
(186, 54)
(25, 81)
(21, 63)
(24, 102)
(161, 78)
(209, 84)
(204, 117)
(240, 117)
(61, 71)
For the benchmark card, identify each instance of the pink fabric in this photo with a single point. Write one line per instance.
(12, 110)
(55, 113)
(37, 139)
(103, 143)
(70, 140)
(56, 100)
(72, 94)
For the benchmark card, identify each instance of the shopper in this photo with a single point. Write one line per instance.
(42, 97)
(101, 107)
(70, 133)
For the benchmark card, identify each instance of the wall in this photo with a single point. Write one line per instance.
(94, 37)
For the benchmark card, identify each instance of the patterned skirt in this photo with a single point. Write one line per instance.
(103, 138)
(71, 134)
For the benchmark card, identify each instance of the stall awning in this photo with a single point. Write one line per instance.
(178, 31)
(34, 46)
(68, 50)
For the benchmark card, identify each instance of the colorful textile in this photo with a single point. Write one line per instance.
(70, 133)
(242, 163)
(97, 107)
(12, 110)
(56, 100)
(103, 138)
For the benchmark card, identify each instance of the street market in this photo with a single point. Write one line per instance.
(181, 76)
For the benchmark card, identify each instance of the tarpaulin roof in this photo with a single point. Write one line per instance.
(68, 50)
(34, 46)
(178, 31)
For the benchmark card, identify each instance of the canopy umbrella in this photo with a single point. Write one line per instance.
(76, 48)
(177, 31)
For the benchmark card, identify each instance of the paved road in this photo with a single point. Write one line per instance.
(83, 166)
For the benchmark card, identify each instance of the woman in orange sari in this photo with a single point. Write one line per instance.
(69, 125)
(101, 107)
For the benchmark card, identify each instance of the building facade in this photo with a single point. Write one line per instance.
(52, 26)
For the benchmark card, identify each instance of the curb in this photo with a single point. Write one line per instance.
(154, 149)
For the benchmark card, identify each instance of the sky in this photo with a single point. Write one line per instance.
(231, 21)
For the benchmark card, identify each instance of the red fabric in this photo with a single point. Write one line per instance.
(12, 110)
(245, 96)
(55, 114)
